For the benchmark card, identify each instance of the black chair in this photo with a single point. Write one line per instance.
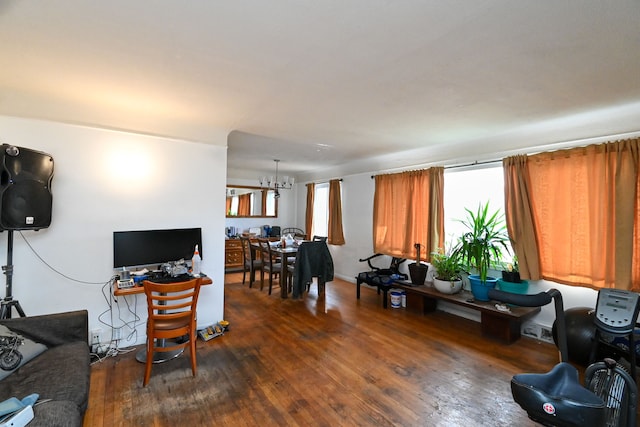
(319, 239)
(312, 260)
(381, 278)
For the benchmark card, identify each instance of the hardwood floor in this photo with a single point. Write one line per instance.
(327, 360)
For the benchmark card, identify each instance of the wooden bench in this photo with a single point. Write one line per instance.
(502, 325)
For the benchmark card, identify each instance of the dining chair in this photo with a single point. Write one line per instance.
(270, 264)
(315, 238)
(312, 260)
(250, 263)
(296, 233)
(171, 311)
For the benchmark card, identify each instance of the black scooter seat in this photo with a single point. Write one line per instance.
(557, 398)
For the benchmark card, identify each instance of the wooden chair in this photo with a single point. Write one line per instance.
(270, 264)
(312, 260)
(250, 263)
(292, 266)
(171, 315)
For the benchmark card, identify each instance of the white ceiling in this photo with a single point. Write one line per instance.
(351, 85)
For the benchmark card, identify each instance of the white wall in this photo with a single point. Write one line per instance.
(106, 181)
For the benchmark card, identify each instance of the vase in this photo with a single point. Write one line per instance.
(447, 286)
(480, 289)
(418, 272)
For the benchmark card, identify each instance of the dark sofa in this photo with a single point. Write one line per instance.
(61, 373)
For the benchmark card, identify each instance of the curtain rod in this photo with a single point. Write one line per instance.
(464, 165)
(476, 163)
(325, 182)
(558, 145)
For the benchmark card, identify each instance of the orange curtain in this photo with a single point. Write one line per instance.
(263, 198)
(308, 220)
(408, 208)
(228, 207)
(519, 216)
(586, 214)
(336, 234)
(244, 205)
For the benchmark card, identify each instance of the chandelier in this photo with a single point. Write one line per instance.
(275, 183)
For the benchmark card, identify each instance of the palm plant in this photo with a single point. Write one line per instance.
(484, 241)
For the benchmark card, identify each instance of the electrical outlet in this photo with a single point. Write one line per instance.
(116, 334)
(546, 334)
(531, 330)
(95, 336)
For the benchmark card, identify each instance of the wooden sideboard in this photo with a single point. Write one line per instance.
(232, 254)
(233, 259)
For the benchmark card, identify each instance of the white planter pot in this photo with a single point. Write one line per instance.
(447, 287)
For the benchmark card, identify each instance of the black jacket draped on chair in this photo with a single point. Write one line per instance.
(312, 260)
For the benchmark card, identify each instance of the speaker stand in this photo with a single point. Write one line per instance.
(5, 310)
(8, 301)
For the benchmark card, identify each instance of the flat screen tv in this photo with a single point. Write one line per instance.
(154, 247)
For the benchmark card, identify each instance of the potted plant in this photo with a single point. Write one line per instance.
(447, 278)
(417, 270)
(511, 281)
(481, 246)
(510, 272)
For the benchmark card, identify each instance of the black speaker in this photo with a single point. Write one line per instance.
(25, 188)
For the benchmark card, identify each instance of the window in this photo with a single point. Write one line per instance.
(467, 188)
(320, 211)
(271, 204)
(234, 206)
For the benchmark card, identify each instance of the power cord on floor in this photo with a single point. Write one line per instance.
(111, 351)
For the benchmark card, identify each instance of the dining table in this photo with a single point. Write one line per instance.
(289, 251)
(285, 253)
